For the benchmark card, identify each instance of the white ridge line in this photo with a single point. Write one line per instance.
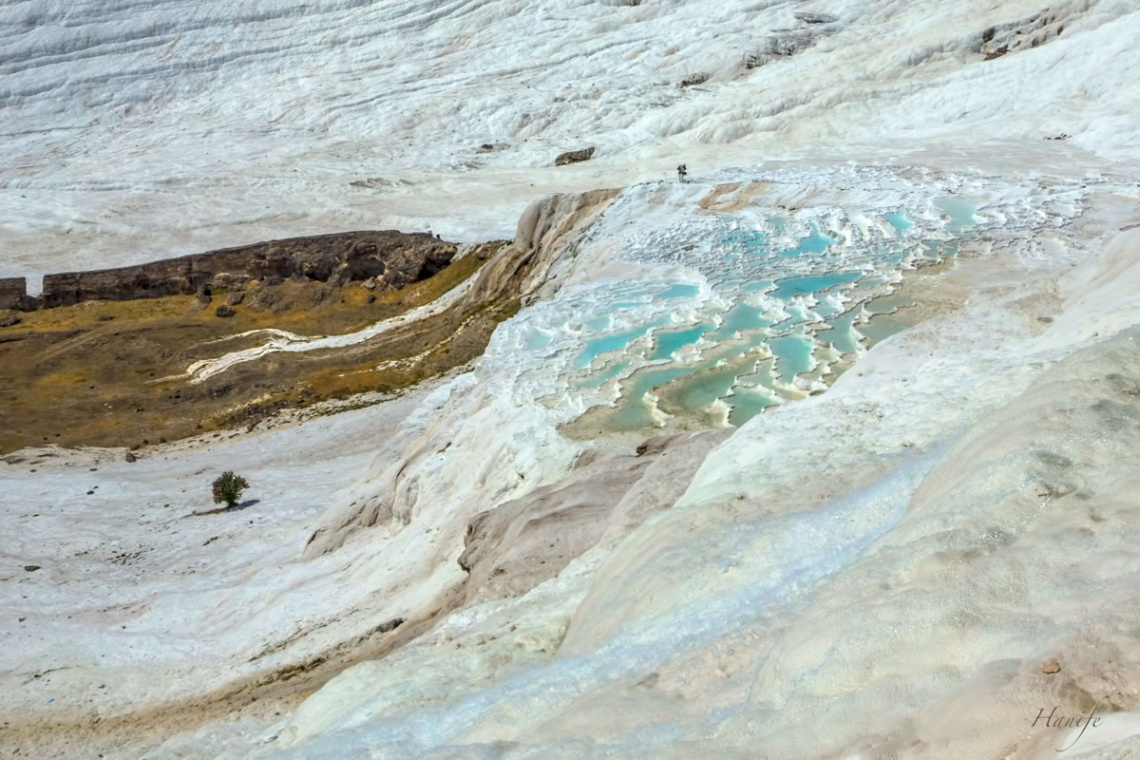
(289, 342)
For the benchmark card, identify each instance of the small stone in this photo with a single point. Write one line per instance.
(1052, 489)
(224, 311)
(90, 492)
(369, 284)
(31, 568)
(371, 298)
(106, 318)
(574, 156)
(131, 457)
(235, 297)
(1050, 666)
(9, 320)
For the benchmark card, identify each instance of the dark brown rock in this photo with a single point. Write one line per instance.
(575, 156)
(694, 79)
(31, 568)
(8, 320)
(12, 292)
(224, 311)
(397, 258)
(235, 297)
(131, 457)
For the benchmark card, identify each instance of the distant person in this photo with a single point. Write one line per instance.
(682, 171)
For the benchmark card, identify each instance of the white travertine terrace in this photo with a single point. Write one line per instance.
(879, 570)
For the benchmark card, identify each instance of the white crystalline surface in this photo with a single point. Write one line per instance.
(879, 570)
(737, 294)
(221, 123)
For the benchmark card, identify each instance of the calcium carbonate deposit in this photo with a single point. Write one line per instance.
(827, 450)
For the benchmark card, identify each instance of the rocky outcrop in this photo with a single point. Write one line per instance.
(12, 292)
(815, 18)
(1025, 34)
(531, 267)
(575, 156)
(395, 258)
(542, 250)
(516, 546)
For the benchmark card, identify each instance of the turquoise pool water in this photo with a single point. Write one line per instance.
(705, 388)
(796, 286)
(842, 333)
(785, 308)
(633, 411)
(960, 211)
(600, 379)
(740, 318)
(793, 355)
(746, 403)
(679, 290)
(899, 221)
(816, 242)
(669, 341)
(758, 286)
(538, 339)
(595, 347)
(746, 238)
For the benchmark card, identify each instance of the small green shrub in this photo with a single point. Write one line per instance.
(228, 488)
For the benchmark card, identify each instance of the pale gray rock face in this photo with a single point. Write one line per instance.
(518, 545)
(910, 563)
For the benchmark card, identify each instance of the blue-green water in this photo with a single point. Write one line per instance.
(633, 410)
(538, 339)
(796, 286)
(671, 340)
(759, 286)
(960, 211)
(749, 239)
(841, 334)
(793, 356)
(757, 348)
(740, 318)
(679, 291)
(706, 388)
(616, 342)
(816, 242)
(602, 378)
(899, 221)
(746, 404)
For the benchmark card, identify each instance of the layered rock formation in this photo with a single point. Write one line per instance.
(12, 291)
(393, 258)
(533, 266)
(574, 156)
